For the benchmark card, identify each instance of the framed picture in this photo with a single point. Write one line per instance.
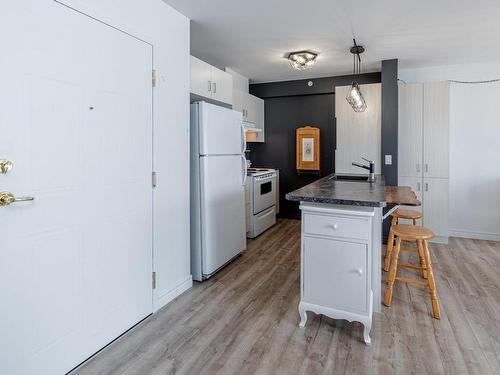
(307, 149)
(307, 143)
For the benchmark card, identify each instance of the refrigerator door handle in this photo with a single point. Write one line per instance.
(243, 139)
(244, 160)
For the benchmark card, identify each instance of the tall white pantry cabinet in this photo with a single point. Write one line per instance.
(423, 150)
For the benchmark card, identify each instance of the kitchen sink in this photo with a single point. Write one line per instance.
(350, 177)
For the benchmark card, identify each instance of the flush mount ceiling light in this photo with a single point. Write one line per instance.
(302, 60)
(354, 96)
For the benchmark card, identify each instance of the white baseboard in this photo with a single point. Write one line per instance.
(475, 235)
(168, 295)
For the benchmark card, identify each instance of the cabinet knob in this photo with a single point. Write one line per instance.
(333, 226)
(359, 271)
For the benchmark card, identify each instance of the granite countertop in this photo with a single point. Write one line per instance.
(352, 193)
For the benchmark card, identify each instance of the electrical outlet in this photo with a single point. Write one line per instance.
(388, 159)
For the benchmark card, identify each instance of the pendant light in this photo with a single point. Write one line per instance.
(354, 96)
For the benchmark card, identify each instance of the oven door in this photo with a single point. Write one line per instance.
(264, 193)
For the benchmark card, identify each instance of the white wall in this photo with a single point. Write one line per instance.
(168, 32)
(474, 146)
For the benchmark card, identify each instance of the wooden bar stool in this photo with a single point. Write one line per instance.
(400, 213)
(420, 235)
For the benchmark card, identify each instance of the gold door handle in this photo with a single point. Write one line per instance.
(7, 198)
(5, 166)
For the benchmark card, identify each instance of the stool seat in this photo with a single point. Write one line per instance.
(412, 232)
(405, 213)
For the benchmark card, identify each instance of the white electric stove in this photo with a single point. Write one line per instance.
(261, 198)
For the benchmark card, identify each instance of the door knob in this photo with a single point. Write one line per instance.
(7, 198)
(5, 166)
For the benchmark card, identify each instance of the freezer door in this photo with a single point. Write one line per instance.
(220, 130)
(222, 210)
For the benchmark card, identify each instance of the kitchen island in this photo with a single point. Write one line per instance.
(341, 243)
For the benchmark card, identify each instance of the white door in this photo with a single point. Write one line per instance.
(220, 130)
(201, 78)
(222, 86)
(240, 103)
(337, 266)
(410, 130)
(436, 205)
(222, 210)
(75, 263)
(436, 129)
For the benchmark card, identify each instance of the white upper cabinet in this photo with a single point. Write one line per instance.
(210, 82)
(252, 109)
(410, 130)
(201, 78)
(436, 111)
(259, 118)
(222, 86)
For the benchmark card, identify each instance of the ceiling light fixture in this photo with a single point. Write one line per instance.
(354, 96)
(302, 60)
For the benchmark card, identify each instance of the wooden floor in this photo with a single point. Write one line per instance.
(245, 321)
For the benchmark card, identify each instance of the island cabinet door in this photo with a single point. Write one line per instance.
(335, 274)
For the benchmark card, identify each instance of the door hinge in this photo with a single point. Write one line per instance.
(153, 77)
(153, 179)
(153, 278)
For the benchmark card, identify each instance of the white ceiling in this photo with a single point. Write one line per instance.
(253, 36)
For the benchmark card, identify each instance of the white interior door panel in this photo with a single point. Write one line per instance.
(76, 120)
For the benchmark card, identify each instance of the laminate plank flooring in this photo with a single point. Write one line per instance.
(244, 320)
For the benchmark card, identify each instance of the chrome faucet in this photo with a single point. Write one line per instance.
(371, 168)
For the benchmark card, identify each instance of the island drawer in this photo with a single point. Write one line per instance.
(336, 226)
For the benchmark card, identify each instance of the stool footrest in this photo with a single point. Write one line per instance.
(411, 281)
(412, 266)
(414, 249)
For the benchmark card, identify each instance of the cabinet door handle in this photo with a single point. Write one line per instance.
(215, 88)
(418, 168)
(418, 186)
(209, 86)
(359, 271)
(426, 168)
(426, 186)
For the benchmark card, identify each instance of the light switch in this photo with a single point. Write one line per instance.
(388, 159)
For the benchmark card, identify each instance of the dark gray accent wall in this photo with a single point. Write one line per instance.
(288, 106)
(390, 119)
(319, 86)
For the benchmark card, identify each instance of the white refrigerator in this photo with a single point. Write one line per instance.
(218, 176)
